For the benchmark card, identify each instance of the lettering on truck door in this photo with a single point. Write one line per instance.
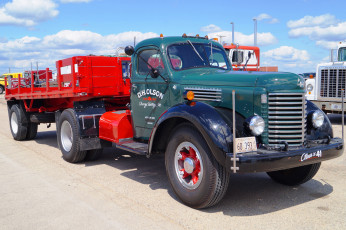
(149, 96)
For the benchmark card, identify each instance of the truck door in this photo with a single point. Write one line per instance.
(149, 93)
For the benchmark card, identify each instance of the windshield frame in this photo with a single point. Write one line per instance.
(204, 55)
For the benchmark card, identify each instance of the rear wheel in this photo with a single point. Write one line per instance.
(68, 137)
(32, 131)
(18, 122)
(196, 177)
(295, 176)
(2, 89)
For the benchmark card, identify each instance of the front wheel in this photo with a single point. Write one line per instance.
(68, 137)
(196, 177)
(2, 89)
(295, 176)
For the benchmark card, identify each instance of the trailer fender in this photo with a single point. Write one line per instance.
(205, 118)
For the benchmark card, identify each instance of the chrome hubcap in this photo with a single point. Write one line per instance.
(14, 123)
(188, 165)
(66, 136)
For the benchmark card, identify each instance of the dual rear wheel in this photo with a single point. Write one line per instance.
(20, 125)
(69, 141)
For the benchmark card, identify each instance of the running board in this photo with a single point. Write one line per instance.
(133, 146)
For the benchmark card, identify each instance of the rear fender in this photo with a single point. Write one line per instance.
(206, 120)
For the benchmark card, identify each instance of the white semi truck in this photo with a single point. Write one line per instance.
(325, 90)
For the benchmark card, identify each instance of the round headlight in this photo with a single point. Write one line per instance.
(309, 87)
(256, 125)
(317, 119)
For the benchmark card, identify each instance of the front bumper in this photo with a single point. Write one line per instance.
(264, 160)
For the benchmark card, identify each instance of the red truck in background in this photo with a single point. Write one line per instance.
(243, 57)
(246, 58)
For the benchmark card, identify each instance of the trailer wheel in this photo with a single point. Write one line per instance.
(196, 177)
(68, 137)
(2, 89)
(295, 176)
(32, 131)
(93, 155)
(18, 123)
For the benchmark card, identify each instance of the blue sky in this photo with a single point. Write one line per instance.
(295, 35)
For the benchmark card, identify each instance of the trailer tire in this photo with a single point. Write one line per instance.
(295, 176)
(196, 177)
(93, 155)
(32, 131)
(2, 89)
(69, 138)
(18, 122)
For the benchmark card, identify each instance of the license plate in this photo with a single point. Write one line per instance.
(335, 106)
(245, 144)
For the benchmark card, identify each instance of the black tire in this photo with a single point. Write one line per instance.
(68, 137)
(2, 89)
(32, 131)
(93, 155)
(295, 176)
(18, 122)
(212, 181)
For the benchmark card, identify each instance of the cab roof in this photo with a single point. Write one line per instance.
(163, 42)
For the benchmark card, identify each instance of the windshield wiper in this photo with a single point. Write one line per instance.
(194, 49)
(153, 71)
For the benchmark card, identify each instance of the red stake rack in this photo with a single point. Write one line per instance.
(78, 78)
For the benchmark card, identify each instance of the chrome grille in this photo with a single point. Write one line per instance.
(332, 82)
(203, 94)
(286, 119)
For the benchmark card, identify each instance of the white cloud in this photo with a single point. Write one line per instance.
(27, 12)
(310, 21)
(335, 32)
(263, 39)
(210, 28)
(289, 59)
(325, 29)
(267, 18)
(19, 53)
(287, 53)
(73, 1)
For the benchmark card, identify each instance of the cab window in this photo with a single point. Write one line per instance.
(148, 59)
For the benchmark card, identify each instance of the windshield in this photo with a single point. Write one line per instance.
(195, 55)
(342, 54)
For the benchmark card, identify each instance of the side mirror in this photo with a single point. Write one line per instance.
(154, 73)
(249, 55)
(129, 50)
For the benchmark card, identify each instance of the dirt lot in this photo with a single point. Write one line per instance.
(39, 190)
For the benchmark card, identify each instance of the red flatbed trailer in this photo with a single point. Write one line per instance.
(79, 78)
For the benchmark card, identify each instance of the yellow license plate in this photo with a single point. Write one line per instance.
(245, 144)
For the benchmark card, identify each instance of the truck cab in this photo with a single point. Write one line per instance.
(244, 57)
(210, 121)
(325, 90)
(7, 75)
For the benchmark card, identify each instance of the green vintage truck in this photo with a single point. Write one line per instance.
(180, 97)
(182, 105)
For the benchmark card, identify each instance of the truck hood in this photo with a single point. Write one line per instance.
(221, 78)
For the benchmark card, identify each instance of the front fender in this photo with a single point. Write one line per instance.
(322, 132)
(216, 132)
